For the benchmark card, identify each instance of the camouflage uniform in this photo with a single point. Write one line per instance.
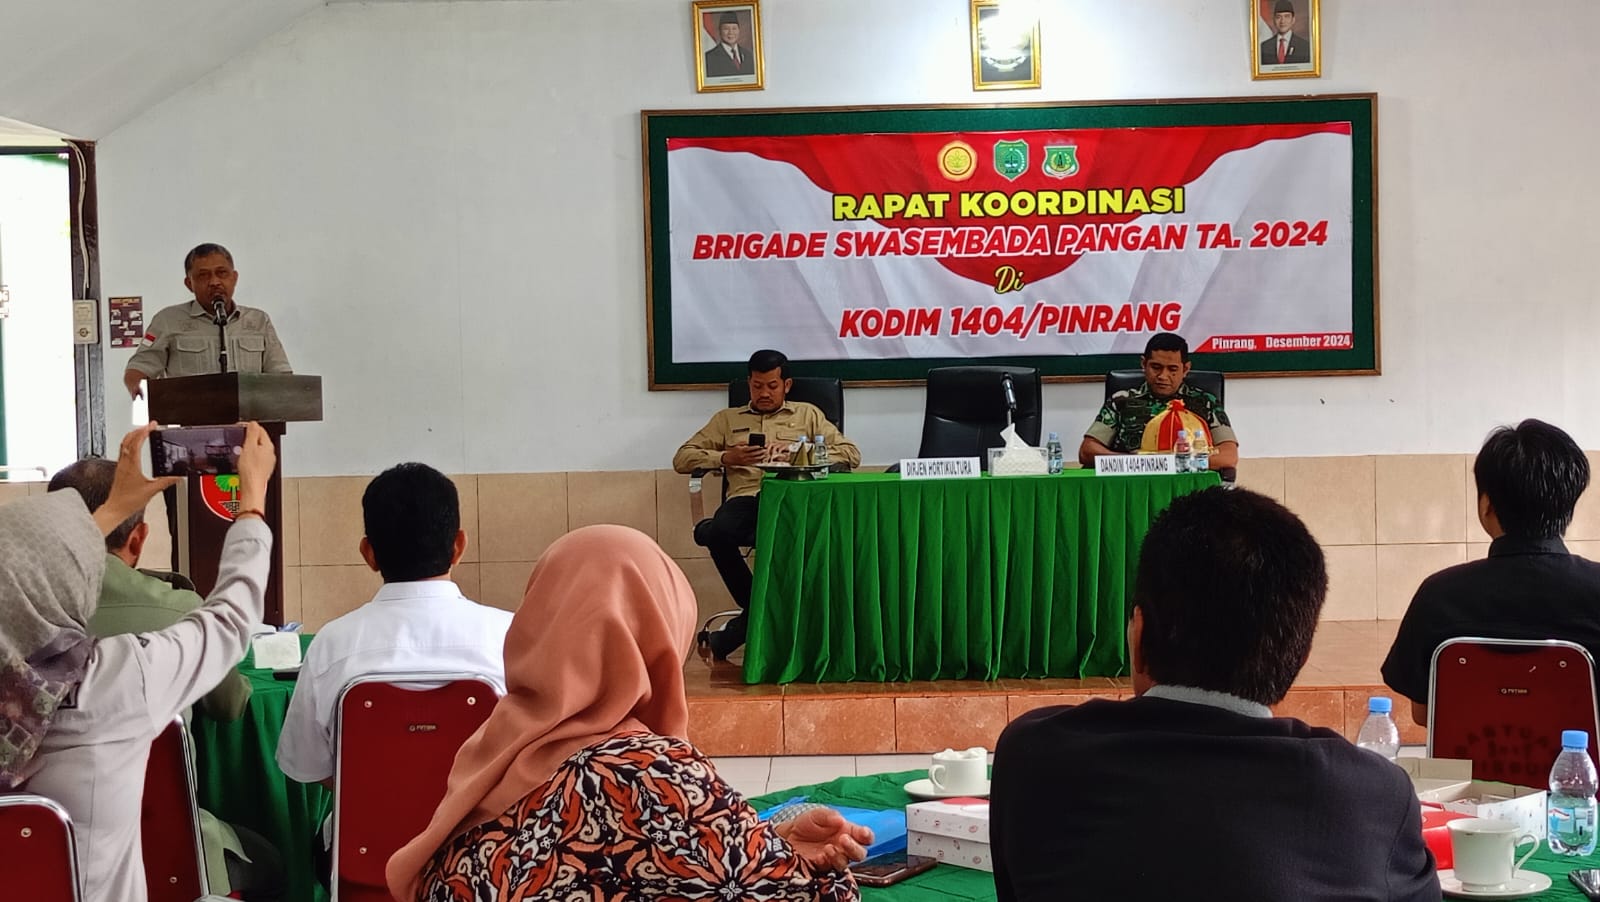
(1121, 422)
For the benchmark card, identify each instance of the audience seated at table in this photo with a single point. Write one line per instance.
(1121, 425)
(1529, 478)
(581, 783)
(725, 442)
(78, 713)
(133, 601)
(1193, 788)
(418, 622)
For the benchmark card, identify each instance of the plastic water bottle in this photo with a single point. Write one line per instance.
(1378, 733)
(1052, 452)
(819, 457)
(1200, 457)
(1572, 791)
(1182, 451)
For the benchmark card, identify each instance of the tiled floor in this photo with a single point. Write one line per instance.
(849, 721)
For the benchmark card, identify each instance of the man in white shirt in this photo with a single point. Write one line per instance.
(419, 622)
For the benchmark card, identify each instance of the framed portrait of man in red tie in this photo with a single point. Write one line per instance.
(1286, 37)
(727, 45)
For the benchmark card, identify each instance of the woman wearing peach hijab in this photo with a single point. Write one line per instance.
(581, 784)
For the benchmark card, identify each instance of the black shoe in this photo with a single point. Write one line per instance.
(724, 642)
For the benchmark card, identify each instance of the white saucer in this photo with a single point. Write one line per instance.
(923, 791)
(1521, 885)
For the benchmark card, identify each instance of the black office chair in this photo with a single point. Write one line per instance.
(825, 392)
(966, 410)
(1205, 380)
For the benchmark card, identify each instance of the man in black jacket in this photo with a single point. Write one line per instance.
(1193, 789)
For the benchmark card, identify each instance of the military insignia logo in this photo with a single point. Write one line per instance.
(1060, 160)
(958, 161)
(1011, 158)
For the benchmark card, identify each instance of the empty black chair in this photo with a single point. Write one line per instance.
(966, 410)
(1205, 380)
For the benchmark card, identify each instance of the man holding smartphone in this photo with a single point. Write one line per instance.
(737, 439)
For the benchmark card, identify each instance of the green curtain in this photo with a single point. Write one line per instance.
(871, 577)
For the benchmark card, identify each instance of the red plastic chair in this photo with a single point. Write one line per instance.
(394, 743)
(174, 859)
(1502, 704)
(38, 855)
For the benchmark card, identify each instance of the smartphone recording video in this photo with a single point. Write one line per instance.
(196, 451)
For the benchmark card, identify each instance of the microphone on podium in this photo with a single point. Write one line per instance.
(219, 309)
(1010, 390)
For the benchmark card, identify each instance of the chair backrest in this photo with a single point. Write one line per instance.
(1205, 380)
(395, 739)
(1502, 703)
(825, 392)
(169, 820)
(38, 856)
(966, 410)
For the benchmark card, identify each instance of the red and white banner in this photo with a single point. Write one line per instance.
(1004, 244)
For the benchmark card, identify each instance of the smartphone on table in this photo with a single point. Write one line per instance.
(890, 868)
(196, 450)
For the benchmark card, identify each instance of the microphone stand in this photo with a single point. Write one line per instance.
(219, 313)
(1011, 399)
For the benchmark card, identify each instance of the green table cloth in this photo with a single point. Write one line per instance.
(866, 576)
(239, 780)
(945, 881)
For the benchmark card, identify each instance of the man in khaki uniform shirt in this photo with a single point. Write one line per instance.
(725, 442)
(182, 339)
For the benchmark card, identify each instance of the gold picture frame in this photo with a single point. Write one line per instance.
(1301, 50)
(1005, 48)
(719, 65)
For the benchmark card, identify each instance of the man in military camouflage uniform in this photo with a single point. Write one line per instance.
(1119, 427)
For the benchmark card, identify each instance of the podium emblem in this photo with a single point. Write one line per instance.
(221, 495)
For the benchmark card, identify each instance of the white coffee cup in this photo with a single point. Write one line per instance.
(1484, 851)
(960, 772)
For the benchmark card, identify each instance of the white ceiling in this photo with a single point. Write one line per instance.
(80, 68)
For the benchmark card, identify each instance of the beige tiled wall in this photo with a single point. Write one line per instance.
(1385, 522)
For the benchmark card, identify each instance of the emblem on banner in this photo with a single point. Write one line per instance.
(958, 161)
(221, 495)
(1060, 160)
(1011, 158)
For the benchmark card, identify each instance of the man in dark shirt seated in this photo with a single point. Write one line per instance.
(1120, 426)
(1529, 479)
(1193, 789)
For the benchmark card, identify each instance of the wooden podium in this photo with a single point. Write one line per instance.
(204, 508)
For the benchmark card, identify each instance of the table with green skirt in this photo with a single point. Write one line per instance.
(867, 576)
(239, 780)
(885, 792)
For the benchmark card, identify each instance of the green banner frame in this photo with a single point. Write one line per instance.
(1360, 110)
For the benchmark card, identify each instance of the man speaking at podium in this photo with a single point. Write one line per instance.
(185, 339)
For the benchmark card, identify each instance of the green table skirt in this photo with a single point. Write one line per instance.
(239, 780)
(870, 577)
(884, 792)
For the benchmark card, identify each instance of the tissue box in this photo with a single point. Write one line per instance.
(1448, 783)
(949, 850)
(955, 831)
(1024, 461)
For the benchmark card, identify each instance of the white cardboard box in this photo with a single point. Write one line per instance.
(1448, 783)
(965, 819)
(949, 850)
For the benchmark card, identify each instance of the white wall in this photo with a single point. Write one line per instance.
(440, 204)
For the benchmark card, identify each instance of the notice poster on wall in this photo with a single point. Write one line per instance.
(873, 244)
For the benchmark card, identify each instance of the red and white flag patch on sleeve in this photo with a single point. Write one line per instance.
(149, 339)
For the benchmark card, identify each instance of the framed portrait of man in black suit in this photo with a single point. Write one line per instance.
(1005, 46)
(727, 39)
(1285, 39)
